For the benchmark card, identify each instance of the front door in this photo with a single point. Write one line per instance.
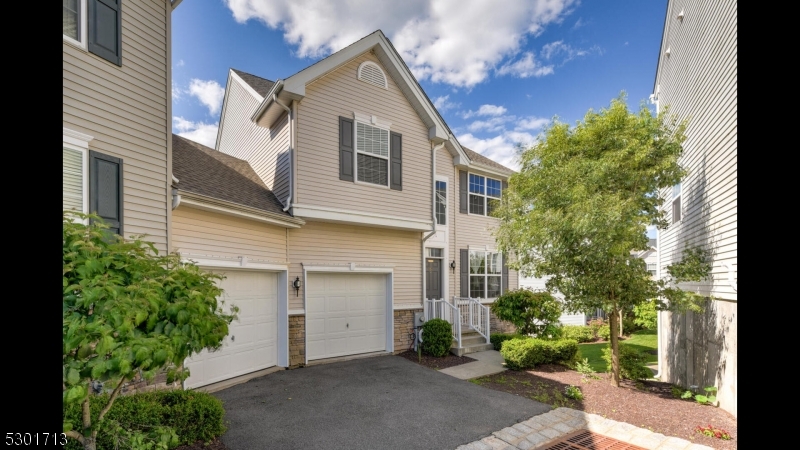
(433, 278)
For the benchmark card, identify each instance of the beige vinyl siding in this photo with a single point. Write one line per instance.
(340, 93)
(202, 233)
(330, 243)
(471, 229)
(125, 110)
(444, 167)
(265, 149)
(699, 81)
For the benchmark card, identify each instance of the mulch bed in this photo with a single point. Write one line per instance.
(449, 360)
(216, 444)
(650, 406)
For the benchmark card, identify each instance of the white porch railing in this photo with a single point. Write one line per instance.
(442, 309)
(474, 315)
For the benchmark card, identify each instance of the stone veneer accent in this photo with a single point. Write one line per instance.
(297, 341)
(500, 326)
(403, 327)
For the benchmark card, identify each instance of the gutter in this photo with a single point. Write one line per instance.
(205, 202)
(433, 212)
(288, 203)
(267, 100)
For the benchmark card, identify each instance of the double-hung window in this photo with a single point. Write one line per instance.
(484, 194)
(372, 154)
(441, 202)
(485, 274)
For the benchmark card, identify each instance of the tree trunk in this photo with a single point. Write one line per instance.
(613, 319)
(620, 322)
(89, 443)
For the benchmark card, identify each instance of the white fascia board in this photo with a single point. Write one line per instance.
(266, 102)
(359, 218)
(76, 138)
(192, 200)
(346, 268)
(241, 263)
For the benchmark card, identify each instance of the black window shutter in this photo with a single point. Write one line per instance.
(464, 272)
(463, 198)
(105, 29)
(504, 288)
(105, 189)
(396, 142)
(345, 149)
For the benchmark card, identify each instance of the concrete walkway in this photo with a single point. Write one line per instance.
(488, 362)
(539, 430)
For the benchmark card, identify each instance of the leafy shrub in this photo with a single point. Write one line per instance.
(551, 332)
(604, 332)
(631, 363)
(580, 333)
(585, 369)
(497, 339)
(595, 325)
(529, 352)
(573, 392)
(437, 337)
(192, 415)
(531, 312)
(646, 315)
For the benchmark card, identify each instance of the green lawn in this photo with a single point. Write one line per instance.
(643, 341)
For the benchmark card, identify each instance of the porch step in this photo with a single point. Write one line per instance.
(470, 349)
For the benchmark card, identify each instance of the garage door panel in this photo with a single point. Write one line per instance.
(251, 343)
(346, 314)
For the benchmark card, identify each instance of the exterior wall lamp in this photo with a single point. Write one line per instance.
(453, 265)
(296, 285)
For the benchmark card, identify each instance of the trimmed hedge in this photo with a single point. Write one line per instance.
(528, 353)
(497, 339)
(631, 362)
(604, 332)
(193, 415)
(580, 333)
(437, 337)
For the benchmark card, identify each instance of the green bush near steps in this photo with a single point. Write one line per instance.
(497, 339)
(529, 352)
(631, 363)
(437, 337)
(192, 415)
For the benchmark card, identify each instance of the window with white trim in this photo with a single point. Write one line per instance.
(651, 268)
(484, 194)
(73, 13)
(441, 202)
(372, 154)
(74, 179)
(485, 274)
(676, 203)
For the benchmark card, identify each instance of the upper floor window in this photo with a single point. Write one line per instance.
(94, 25)
(73, 15)
(369, 152)
(484, 194)
(441, 202)
(651, 268)
(676, 203)
(372, 154)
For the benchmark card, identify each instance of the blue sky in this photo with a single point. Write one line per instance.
(496, 85)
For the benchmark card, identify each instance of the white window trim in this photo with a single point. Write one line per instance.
(370, 63)
(82, 20)
(486, 252)
(76, 140)
(372, 121)
(674, 197)
(484, 195)
(446, 182)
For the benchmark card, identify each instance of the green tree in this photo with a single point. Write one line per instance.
(531, 312)
(128, 310)
(581, 204)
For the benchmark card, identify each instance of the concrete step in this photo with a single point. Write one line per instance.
(471, 349)
(466, 341)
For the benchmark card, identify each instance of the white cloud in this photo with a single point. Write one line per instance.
(209, 92)
(567, 51)
(176, 91)
(442, 104)
(180, 63)
(204, 133)
(531, 123)
(485, 110)
(502, 148)
(493, 124)
(443, 40)
(579, 23)
(525, 67)
(652, 231)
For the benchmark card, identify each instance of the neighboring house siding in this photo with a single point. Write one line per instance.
(536, 284)
(340, 93)
(125, 110)
(699, 81)
(475, 230)
(204, 234)
(329, 243)
(265, 149)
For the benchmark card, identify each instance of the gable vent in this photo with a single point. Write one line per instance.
(371, 73)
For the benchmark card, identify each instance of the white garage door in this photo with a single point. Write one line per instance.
(251, 343)
(345, 314)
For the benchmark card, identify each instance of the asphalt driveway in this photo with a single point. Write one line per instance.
(383, 402)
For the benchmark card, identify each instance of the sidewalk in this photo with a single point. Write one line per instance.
(488, 362)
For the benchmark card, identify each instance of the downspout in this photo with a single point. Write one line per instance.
(433, 212)
(288, 202)
(176, 198)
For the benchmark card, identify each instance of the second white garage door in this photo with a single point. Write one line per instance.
(251, 343)
(345, 314)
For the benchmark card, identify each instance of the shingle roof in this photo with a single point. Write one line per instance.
(480, 159)
(260, 85)
(205, 171)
